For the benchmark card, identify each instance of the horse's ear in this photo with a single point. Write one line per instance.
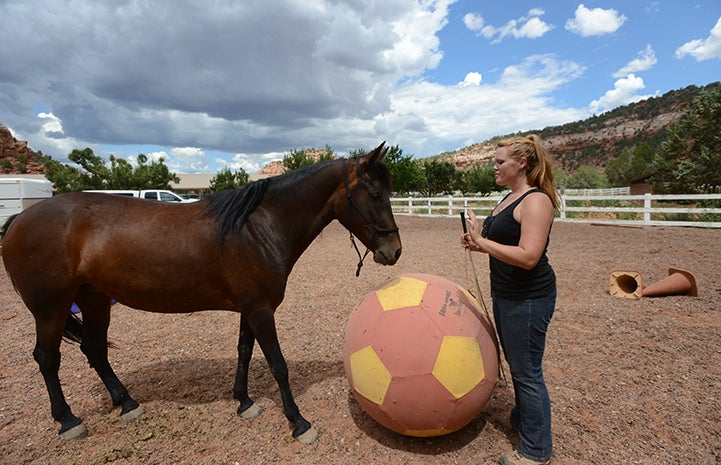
(377, 155)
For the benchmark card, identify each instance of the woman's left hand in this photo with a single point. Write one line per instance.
(471, 239)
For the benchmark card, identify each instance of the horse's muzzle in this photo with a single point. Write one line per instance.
(387, 254)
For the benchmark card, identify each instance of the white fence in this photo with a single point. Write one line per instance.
(645, 209)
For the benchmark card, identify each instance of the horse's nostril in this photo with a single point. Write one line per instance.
(398, 253)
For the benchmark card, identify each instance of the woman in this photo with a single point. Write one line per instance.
(523, 284)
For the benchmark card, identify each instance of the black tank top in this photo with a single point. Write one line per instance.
(512, 282)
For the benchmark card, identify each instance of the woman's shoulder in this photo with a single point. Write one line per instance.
(537, 198)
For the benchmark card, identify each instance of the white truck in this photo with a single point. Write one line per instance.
(16, 194)
(150, 194)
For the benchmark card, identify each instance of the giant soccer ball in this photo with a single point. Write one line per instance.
(420, 355)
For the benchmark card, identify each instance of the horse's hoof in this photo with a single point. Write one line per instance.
(251, 412)
(76, 432)
(132, 415)
(309, 437)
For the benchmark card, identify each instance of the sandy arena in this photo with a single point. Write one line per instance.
(631, 382)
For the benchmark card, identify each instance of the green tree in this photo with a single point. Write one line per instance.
(227, 180)
(481, 178)
(93, 172)
(631, 165)
(586, 177)
(155, 175)
(689, 160)
(64, 178)
(440, 177)
(560, 178)
(406, 172)
(22, 163)
(300, 158)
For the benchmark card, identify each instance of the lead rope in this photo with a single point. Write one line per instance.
(360, 258)
(469, 260)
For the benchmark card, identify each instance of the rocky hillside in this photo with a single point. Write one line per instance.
(593, 146)
(596, 140)
(16, 157)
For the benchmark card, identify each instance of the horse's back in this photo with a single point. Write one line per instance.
(64, 223)
(96, 239)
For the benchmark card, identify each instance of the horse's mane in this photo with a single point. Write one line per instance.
(232, 207)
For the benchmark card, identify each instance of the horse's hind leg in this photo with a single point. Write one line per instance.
(247, 408)
(95, 308)
(264, 328)
(47, 355)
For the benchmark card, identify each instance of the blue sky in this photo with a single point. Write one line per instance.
(239, 84)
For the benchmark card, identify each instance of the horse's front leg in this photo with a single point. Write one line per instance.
(265, 333)
(246, 340)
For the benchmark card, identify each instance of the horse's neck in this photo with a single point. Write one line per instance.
(306, 202)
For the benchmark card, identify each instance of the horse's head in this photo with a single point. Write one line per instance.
(368, 212)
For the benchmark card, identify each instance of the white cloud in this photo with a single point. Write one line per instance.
(595, 22)
(472, 79)
(706, 49)
(48, 136)
(645, 60)
(153, 157)
(188, 160)
(473, 22)
(423, 113)
(51, 126)
(533, 29)
(249, 163)
(624, 92)
(528, 27)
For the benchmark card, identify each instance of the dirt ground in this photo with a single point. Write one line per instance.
(631, 382)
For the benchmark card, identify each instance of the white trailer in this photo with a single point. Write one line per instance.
(16, 194)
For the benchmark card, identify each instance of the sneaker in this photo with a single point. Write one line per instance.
(514, 458)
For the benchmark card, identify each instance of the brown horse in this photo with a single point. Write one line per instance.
(232, 251)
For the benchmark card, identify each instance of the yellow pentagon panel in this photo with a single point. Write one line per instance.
(402, 292)
(370, 377)
(459, 366)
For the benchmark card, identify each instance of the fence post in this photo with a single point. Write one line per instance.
(563, 206)
(410, 205)
(450, 205)
(646, 208)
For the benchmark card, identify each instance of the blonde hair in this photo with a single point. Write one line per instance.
(539, 169)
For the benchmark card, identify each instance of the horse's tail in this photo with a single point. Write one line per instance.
(5, 227)
(73, 329)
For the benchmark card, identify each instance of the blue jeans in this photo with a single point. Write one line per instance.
(521, 326)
